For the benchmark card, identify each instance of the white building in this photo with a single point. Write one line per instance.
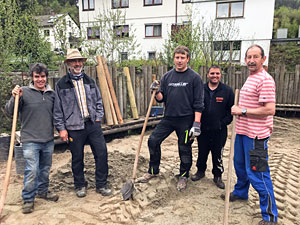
(60, 30)
(153, 19)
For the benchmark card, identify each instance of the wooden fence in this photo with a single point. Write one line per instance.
(287, 84)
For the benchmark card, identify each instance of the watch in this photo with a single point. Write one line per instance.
(244, 111)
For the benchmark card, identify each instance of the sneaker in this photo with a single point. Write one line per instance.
(48, 196)
(27, 207)
(198, 176)
(233, 197)
(145, 178)
(81, 192)
(219, 183)
(105, 191)
(264, 222)
(182, 183)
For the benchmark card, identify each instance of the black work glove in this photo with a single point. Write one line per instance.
(154, 85)
(195, 131)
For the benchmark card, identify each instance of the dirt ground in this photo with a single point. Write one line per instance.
(158, 202)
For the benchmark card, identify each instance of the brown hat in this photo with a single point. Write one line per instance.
(73, 53)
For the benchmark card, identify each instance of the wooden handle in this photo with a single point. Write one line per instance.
(112, 92)
(133, 107)
(142, 135)
(230, 162)
(10, 154)
(104, 92)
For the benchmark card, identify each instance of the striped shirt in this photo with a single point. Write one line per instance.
(80, 91)
(259, 88)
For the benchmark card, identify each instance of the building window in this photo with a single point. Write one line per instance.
(46, 33)
(186, 1)
(88, 5)
(228, 50)
(230, 9)
(121, 31)
(151, 55)
(124, 56)
(120, 4)
(153, 30)
(93, 33)
(70, 23)
(152, 2)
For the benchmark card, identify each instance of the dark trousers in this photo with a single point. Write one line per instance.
(92, 133)
(181, 125)
(213, 141)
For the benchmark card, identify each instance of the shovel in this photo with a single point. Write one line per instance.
(128, 187)
(228, 185)
(10, 154)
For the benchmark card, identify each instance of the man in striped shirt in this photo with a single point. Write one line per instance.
(254, 126)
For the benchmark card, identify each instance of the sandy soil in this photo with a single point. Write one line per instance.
(158, 202)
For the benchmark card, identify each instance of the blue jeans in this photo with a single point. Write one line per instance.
(260, 180)
(38, 161)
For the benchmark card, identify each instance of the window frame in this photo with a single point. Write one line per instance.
(122, 54)
(230, 48)
(154, 55)
(91, 37)
(153, 3)
(88, 9)
(153, 25)
(186, 1)
(120, 5)
(47, 33)
(121, 32)
(229, 10)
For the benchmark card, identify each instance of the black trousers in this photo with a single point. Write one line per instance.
(182, 126)
(92, 133)
(213, 141)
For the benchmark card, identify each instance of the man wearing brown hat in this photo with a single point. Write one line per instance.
(78, 110)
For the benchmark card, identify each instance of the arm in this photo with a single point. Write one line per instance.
(9, 107)
(267, 109)
(58, 116)
(198, 116)
(99, 105)
(227, 119)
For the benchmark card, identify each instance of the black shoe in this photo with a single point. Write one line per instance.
(264, 222)
(105, 191)
(219, 183)
(50, 196)
(27, 207)
(233, 197)
(198, 176)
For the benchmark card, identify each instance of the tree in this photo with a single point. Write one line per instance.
(209, 41)
(112, 36)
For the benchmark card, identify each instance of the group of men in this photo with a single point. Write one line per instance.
(192, 109)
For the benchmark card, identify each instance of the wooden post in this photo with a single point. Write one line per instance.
(281, 84)
(131, 94)
(138, 92)
(104, 92)
(142, 102)
(133, 76)
(116, 107)
(297, 85)
(153, 79)
(145, 87)
(120, 95)
(124, 81)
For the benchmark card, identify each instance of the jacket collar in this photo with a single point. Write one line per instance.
(220, 86)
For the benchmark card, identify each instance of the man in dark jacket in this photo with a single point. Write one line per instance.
(218, 99)
(36, 115)
(78, 110)
(181, 90)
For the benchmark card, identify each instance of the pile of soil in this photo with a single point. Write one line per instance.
(158, 202)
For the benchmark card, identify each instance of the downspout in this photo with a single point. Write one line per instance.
(176, 12)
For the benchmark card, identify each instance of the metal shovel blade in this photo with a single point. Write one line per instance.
(127, 190)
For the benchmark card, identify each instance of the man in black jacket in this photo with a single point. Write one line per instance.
(218, 99)
(181, 90)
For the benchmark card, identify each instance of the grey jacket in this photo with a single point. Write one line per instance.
(36, 114)
(67, 114)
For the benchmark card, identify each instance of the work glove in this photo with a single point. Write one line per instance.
(195, 131)
(154, 85)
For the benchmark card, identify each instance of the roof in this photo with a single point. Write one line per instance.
(47, 20)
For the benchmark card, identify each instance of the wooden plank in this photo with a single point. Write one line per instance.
(297, 85)
(132, 75)
(104, 92)
(281, 84)
(160, 72)
(153, 79)
(132, 102)
(125, 114)
(149, 82)
(291, 90)
(120, 95)
(142, 102)
(144, 72)
(115, 108)
(138, 92)
(277, 81)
